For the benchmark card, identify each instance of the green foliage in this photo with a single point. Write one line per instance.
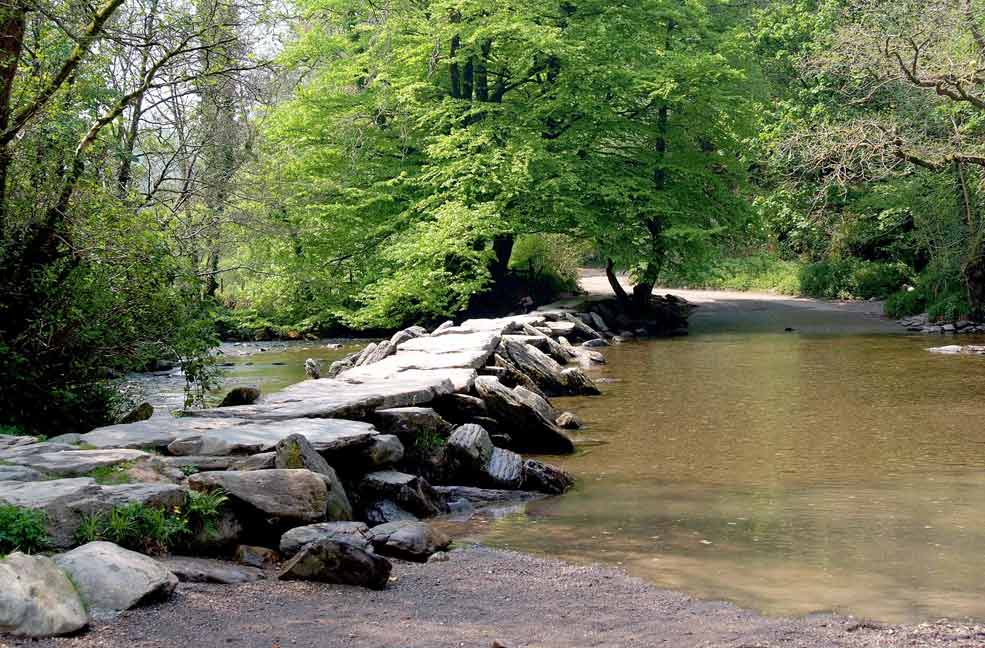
(11, 430)
(428, 440)
(852, 279)
(152, 529)
(939, 293)
(22, 530)
(756, 272)
(554, 258)
(109, 475)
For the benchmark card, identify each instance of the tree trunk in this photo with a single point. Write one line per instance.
(12, 21)
(454, 76)
(610, 274)
(481, 73)
(468, 80)
(503, 248)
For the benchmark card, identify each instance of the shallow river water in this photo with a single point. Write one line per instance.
(839, 467)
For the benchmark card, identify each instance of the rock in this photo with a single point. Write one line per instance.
(365, 354)
(479, 497)
(312, 368)
(276, 497)
(595, 343)
(459, 408)
(443, 327)
(141, 412)
(383, 511)
(112, 579)
(356, 533)
(65, 502)
(550, 376)
(568, 421)
(382, 350)
(9, 442)
(250, 438)
(530, 431)
(440, 556)
(225, 533)
(163, 496)
(339, 366)
(511, 375)
(296, 452)
(204, 570)
(258, 557)
(504, 470)
(414, 541)
(331, 561)
(75, 463)
(545, 478)
(468, 451)
(411, 493)
(70, 438)
(536, 402)
(333, 346)
(192, 464)
(19, 474)
(597, 322)
(259, 461)
(407, 423)
(37, 599)
(244, 395)
(385, 450)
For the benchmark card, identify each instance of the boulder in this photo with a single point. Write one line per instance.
(164, 496)
(326, 435)
(296, 452)
(545, 478)
(65, 502)
(414, 541)
(205, 570)
(511, 375)
(312, 369)
(408, 422)
(529, 430)
(258, 557)
(459, 408)
(342, 563)
(365, 354)
(383, 350)
(410, 492)
(468, 451)
(259, 461)
(384, 450)
(536, 402)
(568, 421)
(504, 470)
(76, 463)
(594, 344)
(545, 372)
(19, 474)
(8, 442)
(278, 497)
(352, 532)
(383, 510)
(243, 395)
(112, 579)
(37, 599)
(480, 497)
(339, 366)
(141, 412)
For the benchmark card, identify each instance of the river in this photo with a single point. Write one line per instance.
(836, 467)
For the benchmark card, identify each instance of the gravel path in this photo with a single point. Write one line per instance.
(482, 597)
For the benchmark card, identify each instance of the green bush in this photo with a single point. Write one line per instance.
(758, 272)
(939, 293)
(906, 302)
(852, 279)
(550, 258)
(22, 530)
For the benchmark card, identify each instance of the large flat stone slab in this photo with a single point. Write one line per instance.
(157, 432)
(252, 438)
(75, 463)
(36, 495)
(355, 397)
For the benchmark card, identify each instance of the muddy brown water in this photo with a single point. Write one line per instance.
(839, 467)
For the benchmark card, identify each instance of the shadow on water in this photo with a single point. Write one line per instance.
(836, 467)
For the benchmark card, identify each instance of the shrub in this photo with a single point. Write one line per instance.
(906, 302)
(553, 259)
(852, 279)
(940, 294)
(150, 529)
(22, 530)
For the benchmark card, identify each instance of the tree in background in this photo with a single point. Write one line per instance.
(97, 273)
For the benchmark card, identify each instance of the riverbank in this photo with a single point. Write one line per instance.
(481, 597)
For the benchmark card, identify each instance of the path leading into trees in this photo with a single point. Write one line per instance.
(723, 310)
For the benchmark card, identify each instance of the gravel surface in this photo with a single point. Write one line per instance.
(484, 598)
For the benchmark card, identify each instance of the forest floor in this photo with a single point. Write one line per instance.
(484, 598)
